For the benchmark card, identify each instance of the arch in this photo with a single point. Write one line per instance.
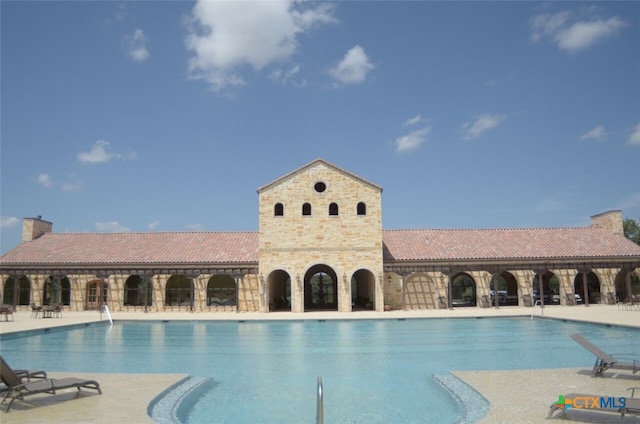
(363, 289)
(321, 288)
(279, 290)
(593, 288)
(306, 209)
(627, 286)
(96, 294)
(361, 209)
(333, 209)
(222, 291)
(179, 292)
(138, 292)
(463, 290)
(278, 209)
(56, 291)
(420, 292)
(550, 286)
(17, 291)
(506, 286)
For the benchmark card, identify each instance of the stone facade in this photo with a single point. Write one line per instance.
(339, 233)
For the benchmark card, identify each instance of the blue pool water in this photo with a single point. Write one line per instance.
(374, 371)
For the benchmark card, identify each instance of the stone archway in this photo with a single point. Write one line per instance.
(463, 290)
(420, 292)
(17, 291)
(363, 290)
(550, 286)
(138, 292)
(56, 291)
(179, 292)
(279, 291)
(593, 288)
(503, 287)
(627, 286)
(221, 292)
(320, 288)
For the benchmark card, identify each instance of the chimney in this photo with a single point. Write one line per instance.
(611, 220)
(32, 228)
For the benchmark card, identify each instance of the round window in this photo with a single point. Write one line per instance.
(320, 187)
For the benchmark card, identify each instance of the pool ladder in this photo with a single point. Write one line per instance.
(320, 403)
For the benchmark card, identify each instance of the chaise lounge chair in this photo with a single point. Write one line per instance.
(582, 402)
(604, 360)
(16, 389)
(23, 375)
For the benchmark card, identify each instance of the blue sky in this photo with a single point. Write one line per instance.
(167, 116)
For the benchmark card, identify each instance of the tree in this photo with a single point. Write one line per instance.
(631, 228)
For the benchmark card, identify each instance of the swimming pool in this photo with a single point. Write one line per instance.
(374, 371)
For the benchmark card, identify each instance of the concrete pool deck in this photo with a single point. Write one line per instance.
(522, 396)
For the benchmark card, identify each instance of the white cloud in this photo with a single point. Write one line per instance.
(547, 24)
(634, 138)
(45, 180)
(412, 121)
(195, 227)
(284, 76)
(583, 35)
(597, 134)
(136, 45)
(99, 154)
(571, 34)
(412, 140)
(480, 124)
(8, 221)
(111, 227)
(225, 36)
(154, 225)
(353, 68)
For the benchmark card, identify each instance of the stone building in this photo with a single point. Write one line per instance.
(321, 246)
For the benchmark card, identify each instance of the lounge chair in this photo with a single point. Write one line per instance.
(23, 375)
(604, 360)
(16, 389)
(631, 404)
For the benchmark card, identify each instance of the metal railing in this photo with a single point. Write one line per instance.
(537, 303)
(320, 404)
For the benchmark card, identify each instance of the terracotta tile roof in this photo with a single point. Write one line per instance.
(137, 248)
(508, 244)
(242, 247)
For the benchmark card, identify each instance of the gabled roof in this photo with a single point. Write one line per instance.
(311, 165)
(137, 248)
(506, 244)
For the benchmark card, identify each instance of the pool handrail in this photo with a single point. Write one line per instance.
(537, 303)
(320, 403)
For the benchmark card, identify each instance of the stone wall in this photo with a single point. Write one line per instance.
(346, 242)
